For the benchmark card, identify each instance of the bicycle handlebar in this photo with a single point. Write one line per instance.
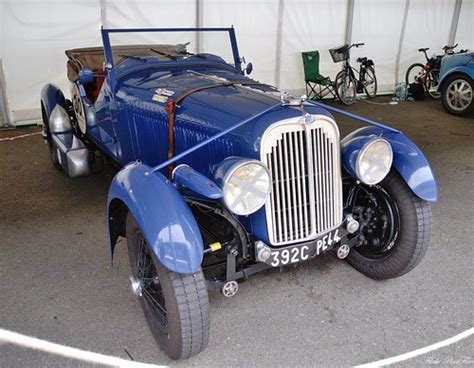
(356, 45)
(446, 47)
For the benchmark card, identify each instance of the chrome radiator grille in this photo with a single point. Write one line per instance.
(304, 162)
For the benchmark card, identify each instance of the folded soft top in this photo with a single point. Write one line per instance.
(93, 57)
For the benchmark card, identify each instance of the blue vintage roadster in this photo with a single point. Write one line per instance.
(456, 83)
(221, 176)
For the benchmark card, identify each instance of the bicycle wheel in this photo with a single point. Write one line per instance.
(431, 85)
(370, 82)
(345, 87)
(416, 73)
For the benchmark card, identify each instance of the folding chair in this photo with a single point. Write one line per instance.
(317, 85)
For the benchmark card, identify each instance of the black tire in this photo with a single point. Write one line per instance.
(415, 76)
(431, 86)
(46, 133)
(404, 237)
(449, 103)
(370, 82)
(182, 330)
(346, 89)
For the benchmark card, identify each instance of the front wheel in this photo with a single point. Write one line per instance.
(176, 306)
(395, 228)
(416, 73)
(458, 94)
(346, 88)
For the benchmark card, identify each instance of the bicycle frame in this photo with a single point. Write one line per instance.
(358, 76)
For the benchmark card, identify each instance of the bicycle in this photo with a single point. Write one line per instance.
(349, 81)
(428, 74)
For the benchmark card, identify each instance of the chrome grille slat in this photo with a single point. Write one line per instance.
(298, 184)
(278, 206)
(325, 182)
(305, 226)
(304, 162)
(288, 190)
(291, 179)
(283, 204)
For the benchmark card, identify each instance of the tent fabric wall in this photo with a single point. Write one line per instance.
(465, 31)
(35, 36)
(1, 29)
(379, 26)
(430, 31)
(256, 29)
(310, 25)
(271, 34)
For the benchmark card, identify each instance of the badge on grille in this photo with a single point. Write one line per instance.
(307, 119)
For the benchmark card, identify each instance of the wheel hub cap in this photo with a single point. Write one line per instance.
(459, 95)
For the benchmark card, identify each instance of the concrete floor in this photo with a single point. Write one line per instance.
(56, 282)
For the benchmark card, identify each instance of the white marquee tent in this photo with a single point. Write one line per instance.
(271, 33)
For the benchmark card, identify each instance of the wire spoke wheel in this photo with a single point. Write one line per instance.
(346, 88)
(416, 73)
(176, 306)
(150, 290)
(370, 82)
(379, 218)
(395, 227)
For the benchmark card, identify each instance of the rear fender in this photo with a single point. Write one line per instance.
(408, 160)
(50, 97)
(165, 219)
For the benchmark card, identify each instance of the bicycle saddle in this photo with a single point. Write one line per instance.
(424, 49)
(361, 60)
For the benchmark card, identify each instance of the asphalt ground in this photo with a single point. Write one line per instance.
(56, 282)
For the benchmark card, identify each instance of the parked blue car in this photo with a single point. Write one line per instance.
(221, 176)
(456, 83)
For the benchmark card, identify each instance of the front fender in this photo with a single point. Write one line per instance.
(408, 160)
(462, 69)
(165, 219)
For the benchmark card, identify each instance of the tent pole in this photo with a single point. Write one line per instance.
(103, 13)
(279, 42)
(199, 24)
(4, 111)
(349, 21)
(454, 23)
(400, 41)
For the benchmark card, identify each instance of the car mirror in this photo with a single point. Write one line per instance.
(248, 68)
(86, 75)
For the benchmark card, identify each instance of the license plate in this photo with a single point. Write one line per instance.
(304, 251)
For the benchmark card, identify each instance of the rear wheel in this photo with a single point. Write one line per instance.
(176, 306)
(346, 88)
(395, 228)
(370, 82)
(458, 94)
(49, 140)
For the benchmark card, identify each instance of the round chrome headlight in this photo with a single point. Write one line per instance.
(374, 161)
(246, 186)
